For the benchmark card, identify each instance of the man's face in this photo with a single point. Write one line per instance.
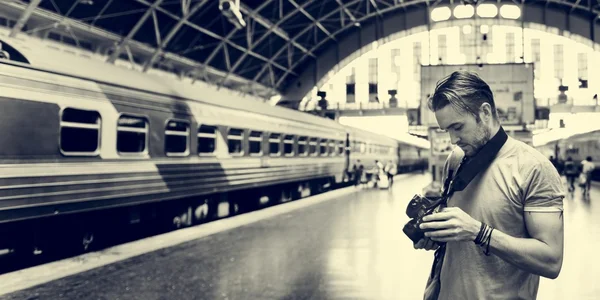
(464, 129)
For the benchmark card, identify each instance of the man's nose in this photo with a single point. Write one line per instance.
(453, 139)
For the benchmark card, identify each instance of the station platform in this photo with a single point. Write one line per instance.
(347, 246)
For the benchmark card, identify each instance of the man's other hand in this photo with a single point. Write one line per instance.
(427, 244)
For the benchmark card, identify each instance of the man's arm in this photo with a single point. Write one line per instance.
(542, 254)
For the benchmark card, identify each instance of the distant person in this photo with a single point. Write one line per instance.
(570, 173)
(376, 171)
(390, 170)
(358, 172)
(587, 167)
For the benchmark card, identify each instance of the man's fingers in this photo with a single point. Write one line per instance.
(439, 216)
(427, 244)
(436, 225)
(440, 233)
(431, 245)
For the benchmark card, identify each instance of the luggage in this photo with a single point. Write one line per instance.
(582, 180)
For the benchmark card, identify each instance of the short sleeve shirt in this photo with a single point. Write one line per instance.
(588, 166)
(519, 180)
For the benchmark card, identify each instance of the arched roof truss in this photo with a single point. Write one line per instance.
(286, 47)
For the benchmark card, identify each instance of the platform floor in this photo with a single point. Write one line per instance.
(346, 248)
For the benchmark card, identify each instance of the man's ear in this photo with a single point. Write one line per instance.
(485, 111)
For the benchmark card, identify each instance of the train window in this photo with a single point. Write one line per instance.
(323, 146)
(331, 147)
(363, 147)
(79, 132)
(274, 141)
(176, 138)
(234, 141)
(312, 146)
(341, 147)
(255, 141)
(207, 139)
(302, 145)
(131, 134)
(288, 145)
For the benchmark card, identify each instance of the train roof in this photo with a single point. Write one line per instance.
(45, 57)
(402, 138)
(560, 134)
(414, 141)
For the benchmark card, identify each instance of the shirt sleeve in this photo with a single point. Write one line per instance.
(544, 189)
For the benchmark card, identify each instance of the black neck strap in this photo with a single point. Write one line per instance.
(470, 167)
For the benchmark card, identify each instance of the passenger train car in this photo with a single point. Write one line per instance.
(578, 147)
(88, 147)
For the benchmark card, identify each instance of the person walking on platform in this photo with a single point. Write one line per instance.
(570, 173)
(587, 167)
(502, 227)
(358, 172)
(390, 171)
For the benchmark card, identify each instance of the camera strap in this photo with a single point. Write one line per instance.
(470, 167)
(466, 171)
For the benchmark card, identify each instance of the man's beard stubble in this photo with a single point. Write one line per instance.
(483, 136)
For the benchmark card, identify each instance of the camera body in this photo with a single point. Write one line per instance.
(417, 208)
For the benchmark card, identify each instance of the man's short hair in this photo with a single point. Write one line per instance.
(465, 91)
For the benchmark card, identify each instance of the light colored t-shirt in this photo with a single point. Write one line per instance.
(587, 167)
(520, 179)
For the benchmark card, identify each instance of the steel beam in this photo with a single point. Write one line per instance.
(101, 12)
(136, 48)
(278, 53)
(269, 25)
(310, 17)
(221, 45)
(264, 36)
(113, 57)
(24, 17)
(251, 46)
(282, 78)
(377, 7)
(215, 36)
(171, 34)
(347, 11)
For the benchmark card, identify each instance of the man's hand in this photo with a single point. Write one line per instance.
(427, 244)
(451, 224)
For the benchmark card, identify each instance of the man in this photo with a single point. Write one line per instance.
(519, 195)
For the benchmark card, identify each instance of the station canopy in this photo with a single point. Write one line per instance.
(194, 38)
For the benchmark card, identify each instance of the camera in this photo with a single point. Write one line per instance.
(417, 208)
(231, 10)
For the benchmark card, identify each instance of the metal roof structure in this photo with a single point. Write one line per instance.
(194, 39)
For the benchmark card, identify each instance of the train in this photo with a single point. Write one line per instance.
(89, 148)
(577, 146)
